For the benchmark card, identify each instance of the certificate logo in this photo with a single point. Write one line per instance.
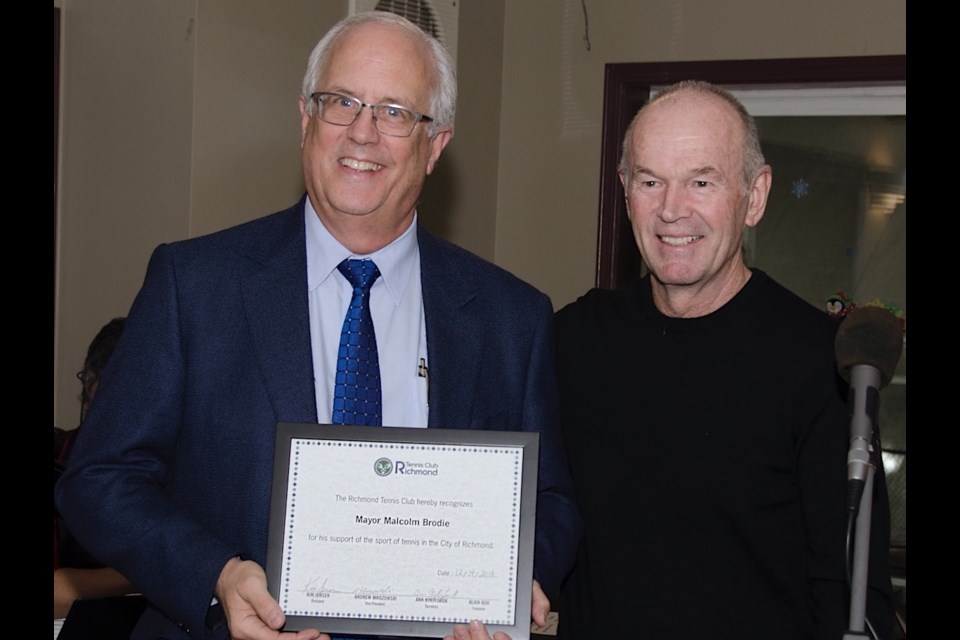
(383, 467)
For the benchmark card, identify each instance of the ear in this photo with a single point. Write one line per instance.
(437, 144)
(304, 119)
(623, 181)
(758, 193)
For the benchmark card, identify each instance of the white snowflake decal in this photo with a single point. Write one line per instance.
(800, 188)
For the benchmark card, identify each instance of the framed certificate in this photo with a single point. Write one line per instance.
(402, 532)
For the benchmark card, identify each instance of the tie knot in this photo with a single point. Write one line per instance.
(360, 273)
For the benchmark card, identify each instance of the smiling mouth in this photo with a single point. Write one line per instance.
(679, 241)
(360, 165)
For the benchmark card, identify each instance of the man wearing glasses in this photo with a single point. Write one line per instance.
(271, 322)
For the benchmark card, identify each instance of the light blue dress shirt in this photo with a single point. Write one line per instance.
(396, 305)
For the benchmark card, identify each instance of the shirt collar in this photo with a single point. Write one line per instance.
(396, 261)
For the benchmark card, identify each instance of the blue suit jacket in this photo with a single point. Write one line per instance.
(171, 475)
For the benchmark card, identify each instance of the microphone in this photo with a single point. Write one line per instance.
(868, 346)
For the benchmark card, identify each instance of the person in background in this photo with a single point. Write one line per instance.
(237, 331)
(76, 574)
(703, 414)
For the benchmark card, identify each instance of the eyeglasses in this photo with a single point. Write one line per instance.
(390, 119)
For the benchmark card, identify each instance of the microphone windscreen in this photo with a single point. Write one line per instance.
(870, 336)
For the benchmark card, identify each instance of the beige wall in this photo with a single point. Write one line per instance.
(126, 121)
(246, 135)
(460, 199)
(179, 118)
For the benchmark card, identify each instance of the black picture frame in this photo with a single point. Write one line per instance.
(399, 441)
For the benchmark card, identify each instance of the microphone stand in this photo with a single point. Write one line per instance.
(865, 385)
(861, 556)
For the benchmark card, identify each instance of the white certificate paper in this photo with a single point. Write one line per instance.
(404, 535)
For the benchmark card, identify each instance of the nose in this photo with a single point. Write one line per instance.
(364, 127)
(673, 207)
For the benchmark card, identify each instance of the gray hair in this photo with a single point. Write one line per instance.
(752, 160)
(443, 95)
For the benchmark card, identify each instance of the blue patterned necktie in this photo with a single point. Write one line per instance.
(356, 393)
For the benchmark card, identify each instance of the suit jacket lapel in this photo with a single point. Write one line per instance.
(274, 286)
(454, 335)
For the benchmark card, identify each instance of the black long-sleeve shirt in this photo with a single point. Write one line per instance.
(709, 462)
